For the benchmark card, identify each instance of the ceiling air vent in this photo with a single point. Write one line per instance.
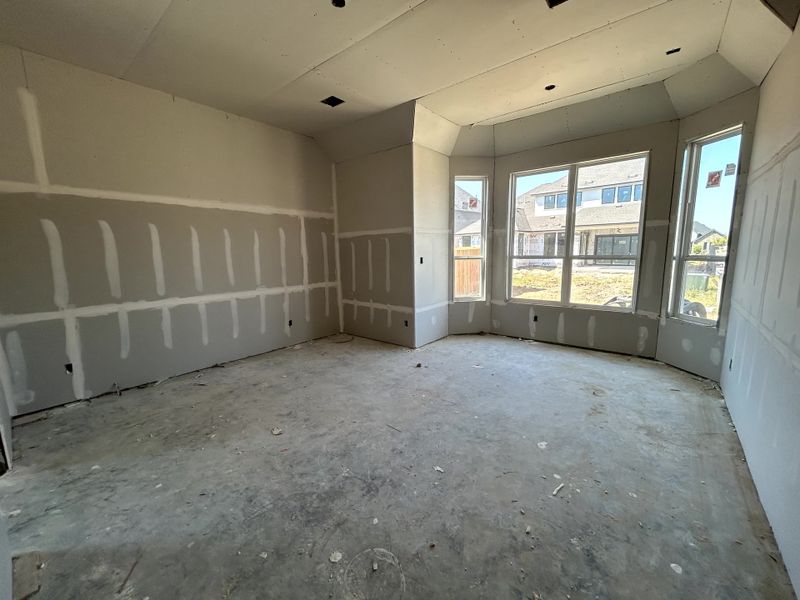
(332, 101)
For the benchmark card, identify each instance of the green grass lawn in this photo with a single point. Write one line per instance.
(588, 286)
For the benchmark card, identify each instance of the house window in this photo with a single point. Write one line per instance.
(469, 238)
(549, 201)
(561, 201)
(702, 237)
(637, 192)
(599, 265)
(536, 266)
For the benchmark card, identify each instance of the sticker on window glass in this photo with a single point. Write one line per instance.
(730, 169)
(714, 179)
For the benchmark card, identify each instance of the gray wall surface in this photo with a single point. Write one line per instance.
(761, 364)
(375, 197)
(145, 236)
(690, 346)
(431, 244)
(629, 333)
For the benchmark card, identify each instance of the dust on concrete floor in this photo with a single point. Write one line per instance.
(182, 491)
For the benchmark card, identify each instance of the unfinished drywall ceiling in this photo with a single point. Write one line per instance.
(275, 61)
(707, 82)
(787, 10)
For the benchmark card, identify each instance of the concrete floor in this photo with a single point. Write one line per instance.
(180, 490)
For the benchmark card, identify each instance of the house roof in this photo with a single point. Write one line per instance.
(590, 216)
(463, 195)
(613, 173)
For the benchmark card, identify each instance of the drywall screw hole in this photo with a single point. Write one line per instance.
(68, 368)
(290, 322)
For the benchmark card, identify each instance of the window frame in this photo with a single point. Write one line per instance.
(569, 233)
(682, 247)
(484, 238)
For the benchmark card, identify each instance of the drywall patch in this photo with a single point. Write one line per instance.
(111, 259)
(72, 335)
(641, 341)
(326, 272)
(353, 266)
(166, 326)
(286, 327)
(197, 265)
(687, 345)
(532, 319)
(235, 317)
(30, 113)
(262, 305)
(229, 257)
(560, 332)
(124, 334)
(590, 327)
(471, 313)
(257, 257)
(201, 309)
(59, 272)
(716, 356)
(304, 258)
(19, 371)
(158, 261)
(388, 265)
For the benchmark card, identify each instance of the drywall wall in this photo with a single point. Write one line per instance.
(145, 236)
(375, 200)
(761, 364)
(431, 243)
(690, 346)
(464, 316)
(629, 333)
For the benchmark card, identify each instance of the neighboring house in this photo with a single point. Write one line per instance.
(710, 241)
(607, 217)
(467, 220)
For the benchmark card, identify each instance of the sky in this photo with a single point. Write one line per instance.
(714, 205)
(472, 186)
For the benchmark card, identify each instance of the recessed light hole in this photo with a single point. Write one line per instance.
(332, 101)
(550, 87)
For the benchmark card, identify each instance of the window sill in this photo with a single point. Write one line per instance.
(553, 304)
(470, 299)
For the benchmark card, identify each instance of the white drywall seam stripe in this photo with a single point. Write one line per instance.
(336, 250)
(304, 258)
(197, 265)
(286, 329)
(257, 257)
(166, 326)
(59, 272)
(235, 317)
(30, 113)
(112, 259)
(6, 383)
(391, 307)
(353, 266)
(73, 349)
(395, 230)
(326, 271)
(369, 263)
(158, 261)
(229, 257)
(124, 334)
(201, 308)
(388, 264)
(100, 310)
(66, 190)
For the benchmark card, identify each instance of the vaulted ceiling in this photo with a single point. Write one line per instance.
(471, 61)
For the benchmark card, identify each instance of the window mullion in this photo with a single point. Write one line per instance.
(569, 234)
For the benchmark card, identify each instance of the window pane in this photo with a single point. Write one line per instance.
(579, 198)
(716, 186)
(536, 232)
(637, 191)
(601, 285)
(468, 217)
(608, 195)
(608, 229)
(561, 201)
(624, 193)
(467, 278)
(702, 289)
(536, 279)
